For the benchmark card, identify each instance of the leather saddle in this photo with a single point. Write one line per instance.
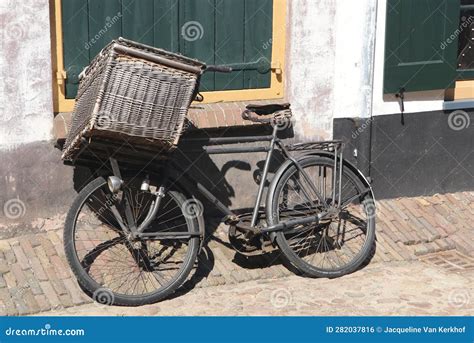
(263, 110)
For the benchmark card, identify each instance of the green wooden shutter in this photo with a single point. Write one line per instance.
(232, 32)
(197, 29)
(166, 24)
(75, 37)
(230, 42)
(258, 35)
(421, 44)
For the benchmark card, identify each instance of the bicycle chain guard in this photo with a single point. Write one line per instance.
(242, 244)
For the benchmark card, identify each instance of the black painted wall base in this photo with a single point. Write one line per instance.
(432, 153)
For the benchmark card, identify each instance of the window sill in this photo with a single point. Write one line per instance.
(458, 104)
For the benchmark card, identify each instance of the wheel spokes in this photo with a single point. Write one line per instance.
(330, 245)
(122, 265)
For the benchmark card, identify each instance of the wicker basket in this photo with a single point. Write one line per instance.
(133, 92)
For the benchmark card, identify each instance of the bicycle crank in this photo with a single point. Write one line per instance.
(247, 243)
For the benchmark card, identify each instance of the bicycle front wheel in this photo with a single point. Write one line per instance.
(116, 269)
(333, 247)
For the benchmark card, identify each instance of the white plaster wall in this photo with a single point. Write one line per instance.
(26, 113)
(311, 65)
(355, 43)
(330, 62)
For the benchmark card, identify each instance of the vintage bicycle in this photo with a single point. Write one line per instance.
(133, 234)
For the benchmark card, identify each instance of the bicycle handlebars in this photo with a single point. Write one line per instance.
(219, 69)
(210, 68)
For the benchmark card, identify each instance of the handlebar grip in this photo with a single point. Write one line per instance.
(219, 69)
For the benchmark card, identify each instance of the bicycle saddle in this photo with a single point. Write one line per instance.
(263, 110)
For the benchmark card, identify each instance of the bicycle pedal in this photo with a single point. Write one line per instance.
(231, 220)
(243, 227)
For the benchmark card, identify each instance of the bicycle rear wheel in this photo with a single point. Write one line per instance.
(334, 247)
(116, 269)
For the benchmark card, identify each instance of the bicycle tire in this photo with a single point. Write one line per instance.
(305, 268)
(92, 286)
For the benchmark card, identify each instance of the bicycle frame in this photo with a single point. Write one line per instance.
(210, 147)
(274, 143)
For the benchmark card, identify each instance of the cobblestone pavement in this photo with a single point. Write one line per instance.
(387, 288)
(436, 231)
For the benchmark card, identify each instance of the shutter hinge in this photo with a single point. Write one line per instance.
(276, 68)
(61, 76)
(401, 96)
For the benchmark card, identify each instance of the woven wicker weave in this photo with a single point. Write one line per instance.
(135, 92)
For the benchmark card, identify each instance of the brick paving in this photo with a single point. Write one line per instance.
(387, 288)
(434, 232)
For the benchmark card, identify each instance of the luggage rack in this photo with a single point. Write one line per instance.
(330, 146)
(334, 147)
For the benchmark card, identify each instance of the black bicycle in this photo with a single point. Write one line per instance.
(132, 235)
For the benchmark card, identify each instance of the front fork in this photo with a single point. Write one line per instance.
(131, 229)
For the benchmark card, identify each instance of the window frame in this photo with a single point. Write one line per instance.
(276, 90)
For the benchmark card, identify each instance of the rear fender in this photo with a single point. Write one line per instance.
(347, 164)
